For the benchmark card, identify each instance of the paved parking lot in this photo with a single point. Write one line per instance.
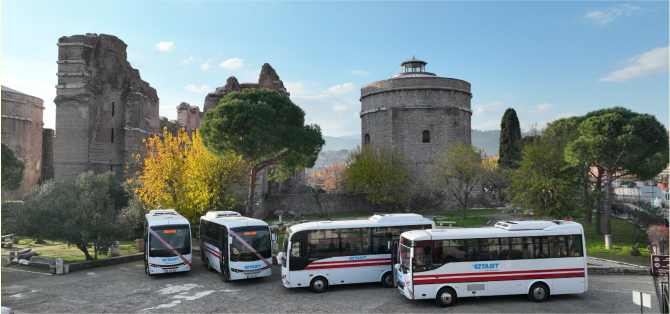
(124, 288)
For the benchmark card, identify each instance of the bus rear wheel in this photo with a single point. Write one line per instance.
(319, 284)
(209, 267)
(539, 292)
(387, 280)
(446, 297)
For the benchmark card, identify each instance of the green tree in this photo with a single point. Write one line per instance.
(12, 169)
(545, 183)
(377, 172)
(509, 149)
(620, 140)
(265, 129)
(459, 170)
(81, 213)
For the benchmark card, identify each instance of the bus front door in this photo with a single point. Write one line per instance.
(394, 259)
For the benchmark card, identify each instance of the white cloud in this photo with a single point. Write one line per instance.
(165, 46)
(488, 125)
(566, 115)
(300, 89)
(360, 72)
(492, 109)
(342, 89)
(234, 63)
(204, 66)
(544, 106)
(187, 61)
(605, 17)
(650, 63)
(343, 121)
(193, 88)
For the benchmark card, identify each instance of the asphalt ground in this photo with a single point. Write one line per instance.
(124, 288)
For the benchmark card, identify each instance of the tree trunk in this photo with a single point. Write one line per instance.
(252, 187)
(465, 206)
(83, 248)
(588, 219)
(599, 202)
(608, 203)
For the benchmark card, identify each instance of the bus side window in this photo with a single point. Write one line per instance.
(575, 245)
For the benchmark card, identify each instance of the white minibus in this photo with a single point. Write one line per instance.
(237, 247)
(324, 253)
(167, 242)
(536, 258)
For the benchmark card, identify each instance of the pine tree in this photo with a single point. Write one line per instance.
(510, 141)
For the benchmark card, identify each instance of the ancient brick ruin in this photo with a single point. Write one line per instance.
(22, 132)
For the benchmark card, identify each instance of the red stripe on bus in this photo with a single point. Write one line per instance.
(347, 265)
(499, 273)
(211, 251)
(499, 278)
(350, 261)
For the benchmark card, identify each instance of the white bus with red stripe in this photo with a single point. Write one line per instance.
(237, 247)
(167, 242)
(324, 253)
(537, 258)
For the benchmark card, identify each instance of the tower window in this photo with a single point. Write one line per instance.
(112, 135)
(366, 141)
(112, 108)
(426, 137)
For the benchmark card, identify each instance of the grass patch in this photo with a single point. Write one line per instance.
(73, 254)
(29, 243)
(623, 238)
(458, 213)
(469, 222)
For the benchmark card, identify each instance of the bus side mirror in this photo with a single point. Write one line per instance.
(397, 266)
(274, 237)
(388, 245)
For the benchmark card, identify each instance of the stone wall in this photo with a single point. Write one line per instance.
(189, 117)
(22, 132)
(268, 78)
(48, 151)
(103, 107)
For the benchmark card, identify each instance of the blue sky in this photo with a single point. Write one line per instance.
(544, 59)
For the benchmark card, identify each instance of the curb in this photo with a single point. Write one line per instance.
(601, 270)
(105, 262)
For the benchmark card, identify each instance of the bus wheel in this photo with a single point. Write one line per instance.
(387, 280)
(203, 256)
(539, 292)
(146, 269)
(209, 267)
(446, 297)
(319, 284)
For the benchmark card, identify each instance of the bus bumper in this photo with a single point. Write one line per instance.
(155, 269)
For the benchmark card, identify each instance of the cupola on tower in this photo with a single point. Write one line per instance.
(418, 113)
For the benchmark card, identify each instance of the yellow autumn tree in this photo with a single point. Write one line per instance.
(178, 172)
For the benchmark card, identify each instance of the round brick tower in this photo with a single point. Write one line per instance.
(416, 112)
(22, 132)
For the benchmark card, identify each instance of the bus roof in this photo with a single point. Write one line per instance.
(161, 217)
(373, 221)
(532, 228)
(232, 219)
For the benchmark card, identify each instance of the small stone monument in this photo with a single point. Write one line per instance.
(114, 249)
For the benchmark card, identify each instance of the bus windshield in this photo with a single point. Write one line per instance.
(259, 239)
(405, 253)
(178, 236)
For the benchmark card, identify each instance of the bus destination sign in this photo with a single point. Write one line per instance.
(659, 264)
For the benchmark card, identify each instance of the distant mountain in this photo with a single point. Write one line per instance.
(343, 142)
(488, 141)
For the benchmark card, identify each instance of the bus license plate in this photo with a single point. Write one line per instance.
(252, 276)
(170, 270)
